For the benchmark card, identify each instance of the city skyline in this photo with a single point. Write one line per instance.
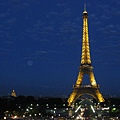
(40, 45)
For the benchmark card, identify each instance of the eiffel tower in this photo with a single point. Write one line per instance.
(85, 68)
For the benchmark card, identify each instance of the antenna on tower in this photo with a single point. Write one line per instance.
(84, 6)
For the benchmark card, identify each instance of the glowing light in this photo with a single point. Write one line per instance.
(5, 118)
(113, 109)
(37, 104)
(107, 108)
(14, 117)
(63, 104)
(77, 108)
(92, 108)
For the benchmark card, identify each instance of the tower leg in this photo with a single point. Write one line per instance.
(79, 79)
(92, 79)
(99, 96)
(72, 97)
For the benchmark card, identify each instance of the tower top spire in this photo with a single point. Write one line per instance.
(85, 12)
(84, 6)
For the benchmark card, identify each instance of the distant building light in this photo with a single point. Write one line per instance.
(14, 117)
(63, 110)
(63, 104)
(113, 109)
(4, 118)
(37, 104)
(13, 94)
(104, 104)
(107, 108)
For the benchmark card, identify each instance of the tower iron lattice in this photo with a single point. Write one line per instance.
(85, 68)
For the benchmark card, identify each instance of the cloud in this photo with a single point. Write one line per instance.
(40, 52)
(68, 27)
(111, 26)
(2, 15)
(97, 23)
(117, 13)
(47, 28)
(53, 13)
(103, 7)
(11, 21)
(110, 31)
(92, 16)
(66, 12)
(61, 4)
(54, 52)
(108, 53)
(4, 51)
(105, 17)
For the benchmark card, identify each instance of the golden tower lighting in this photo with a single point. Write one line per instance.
(85, 68)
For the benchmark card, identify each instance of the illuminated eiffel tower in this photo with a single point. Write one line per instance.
(85, 68)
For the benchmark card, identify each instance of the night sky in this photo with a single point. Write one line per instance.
(40, 45)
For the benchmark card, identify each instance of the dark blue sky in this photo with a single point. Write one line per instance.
(40, 45)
